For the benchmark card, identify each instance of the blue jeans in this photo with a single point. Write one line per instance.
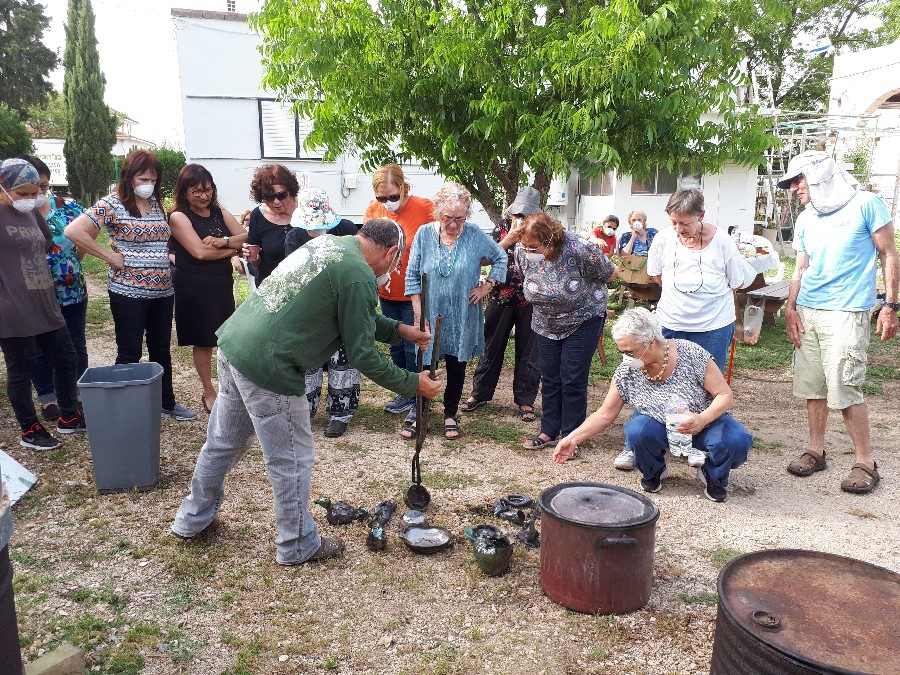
(403, 353)
(725, 439)
(282, 426)
(42, 374)
(565, 370)
(717, 342)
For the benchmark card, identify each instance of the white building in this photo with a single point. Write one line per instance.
(232, 126)
(867, 83)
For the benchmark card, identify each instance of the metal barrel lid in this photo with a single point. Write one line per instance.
(825, 610)
(598, 505)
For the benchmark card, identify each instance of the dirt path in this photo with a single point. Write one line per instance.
(103, 570)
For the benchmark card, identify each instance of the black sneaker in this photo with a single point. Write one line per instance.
(714, 493)
(71, 425)
(335, 429)
(655, 484)
(36, 437)
(50, 412)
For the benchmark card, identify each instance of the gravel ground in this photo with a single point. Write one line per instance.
(103, 571)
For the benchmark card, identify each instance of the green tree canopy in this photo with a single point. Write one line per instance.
(776, 35)
(48, 120)
(90, 128)
(483, 92)
(14, 137)
(25, 63)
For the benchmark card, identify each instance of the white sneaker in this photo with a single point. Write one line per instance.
(696, 458)
(625, 460)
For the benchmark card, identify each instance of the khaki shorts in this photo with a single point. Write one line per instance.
(831, 360)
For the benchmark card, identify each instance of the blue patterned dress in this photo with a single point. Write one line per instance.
(452, 274)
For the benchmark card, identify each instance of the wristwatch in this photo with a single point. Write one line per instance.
(225, 239)
(893, 305)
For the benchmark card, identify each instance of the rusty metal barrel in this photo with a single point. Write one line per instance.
(789, 611)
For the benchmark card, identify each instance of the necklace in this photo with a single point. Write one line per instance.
(665, 364)
(446, 256)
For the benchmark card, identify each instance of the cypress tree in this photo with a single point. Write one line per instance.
(90, 128)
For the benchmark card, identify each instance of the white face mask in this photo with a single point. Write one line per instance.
(40, 201)
(22, 205)
(632, 362)
(534, 257)
(638, 225)
(392, 207)
(608, 231)
(144, 191)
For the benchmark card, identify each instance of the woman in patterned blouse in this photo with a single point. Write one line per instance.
(141, 298)
(655, 372)
(565, 281)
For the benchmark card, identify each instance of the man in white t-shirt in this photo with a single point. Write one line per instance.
(828, 309)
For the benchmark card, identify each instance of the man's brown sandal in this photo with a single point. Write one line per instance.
(807, 464)
(861, 479)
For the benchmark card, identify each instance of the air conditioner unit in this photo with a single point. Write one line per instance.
(558, 194)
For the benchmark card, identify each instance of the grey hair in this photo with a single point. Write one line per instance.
(639, 323)
(452, 195)
(384, 232)
(687, 200)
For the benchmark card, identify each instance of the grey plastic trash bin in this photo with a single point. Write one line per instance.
(122, 405)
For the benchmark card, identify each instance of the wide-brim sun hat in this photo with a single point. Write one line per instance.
(314, 211)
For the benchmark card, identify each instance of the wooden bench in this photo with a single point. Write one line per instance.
(774, 295)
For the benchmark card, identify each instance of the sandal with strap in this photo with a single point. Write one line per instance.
(526, 413)
(472, 405)
(536, 443)
(409, 432)
(807, 464)
(451, 429)
(861, 479)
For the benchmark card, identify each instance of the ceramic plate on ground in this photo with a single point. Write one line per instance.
(426, 539)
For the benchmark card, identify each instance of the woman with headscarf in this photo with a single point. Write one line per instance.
(141, 297)
(450, 251)
(204, 237)
(312, 218)
(29, 313)
(71, 290)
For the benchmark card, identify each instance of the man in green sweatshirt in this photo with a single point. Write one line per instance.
(322, 296)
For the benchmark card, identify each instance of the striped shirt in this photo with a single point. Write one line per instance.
(142, 241)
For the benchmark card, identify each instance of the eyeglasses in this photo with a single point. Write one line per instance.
(280, 196)
(201, 192)
(631, 352)
(459, 220)
(388, 198)
(532, 249)
(44, 187)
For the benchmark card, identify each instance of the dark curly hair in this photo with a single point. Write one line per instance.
(272, 174)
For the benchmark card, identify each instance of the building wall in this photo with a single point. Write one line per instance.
(861, 83)
(220, 73)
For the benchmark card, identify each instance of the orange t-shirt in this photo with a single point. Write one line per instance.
(416, 212)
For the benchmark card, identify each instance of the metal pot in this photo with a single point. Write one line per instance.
(789, 611)
(597, 547)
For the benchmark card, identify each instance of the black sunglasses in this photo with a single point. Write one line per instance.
(280, 196)
(389, 198)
